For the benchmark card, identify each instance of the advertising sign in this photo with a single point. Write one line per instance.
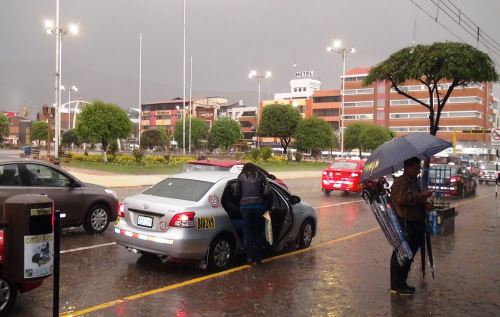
(38, 255)
(304, 74)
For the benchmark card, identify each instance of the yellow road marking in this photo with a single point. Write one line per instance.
(236, 269)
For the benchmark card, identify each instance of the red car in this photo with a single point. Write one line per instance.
(8, 289)
(344, 175)
(225, 165)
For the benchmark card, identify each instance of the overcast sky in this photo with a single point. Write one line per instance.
(226, 38)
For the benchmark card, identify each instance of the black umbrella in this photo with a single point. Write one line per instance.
(390, 156)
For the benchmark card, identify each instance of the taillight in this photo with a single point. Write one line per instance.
(1, 246)
(183, 220)
(121, 210)
(325, 173)
(455, 179)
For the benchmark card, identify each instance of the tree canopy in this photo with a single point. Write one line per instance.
(199, 132)
(40, 130)
(279, 121)
(365, 137)
(314, 134)
(103, 122)
(224, 133)
(69, 137)
(151, 138)
(432, 65)
(4, 127)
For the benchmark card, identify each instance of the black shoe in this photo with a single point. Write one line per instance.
(403, 291)
(249, 261)
(259, 262)
(410, 288)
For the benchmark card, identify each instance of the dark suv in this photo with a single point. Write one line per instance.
(92, 206)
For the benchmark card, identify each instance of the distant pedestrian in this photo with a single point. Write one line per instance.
(250, 187)
(410, 204)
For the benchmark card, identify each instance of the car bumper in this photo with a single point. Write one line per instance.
(340, 185)
(174, 243)
(487, 179)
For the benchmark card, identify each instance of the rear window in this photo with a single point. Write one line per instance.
(180, 188)
(344, 165)
(491, 167)
(442, 171)
(203, 168)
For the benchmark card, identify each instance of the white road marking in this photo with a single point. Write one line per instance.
(339, 204)
(87, 248)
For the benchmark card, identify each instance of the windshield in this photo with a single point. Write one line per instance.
(491, 167)
(344, 165)
(203, 168)
(180, 188)
(442, 171)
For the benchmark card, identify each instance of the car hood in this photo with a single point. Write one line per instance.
(94, 186)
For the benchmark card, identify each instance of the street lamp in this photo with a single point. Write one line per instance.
(338, 48)
(259, 77)
(56, 30)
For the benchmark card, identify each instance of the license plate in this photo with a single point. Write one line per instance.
(337, 185)
(145, 221)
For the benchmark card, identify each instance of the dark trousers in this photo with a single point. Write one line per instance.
(252, 230)
(415, 232)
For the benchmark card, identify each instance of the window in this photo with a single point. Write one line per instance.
(41, 175)
(381, 102)
(359, 104)
(325, 112)
(179, 188)
(326, 99)
(380, 115)
(381, 88)
(344, 165)
(358, 91)
(358, 117)
(9, 175)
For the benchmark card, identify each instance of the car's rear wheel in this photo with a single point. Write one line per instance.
(306, 234)
(97, 219)
(327, 191)
(8, 294)
(220, 253)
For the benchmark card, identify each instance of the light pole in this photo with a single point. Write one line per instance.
(338, 48)
(56, 30)
(75, 89)
(259, 77)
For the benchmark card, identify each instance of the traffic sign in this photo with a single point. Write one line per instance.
(495, 138)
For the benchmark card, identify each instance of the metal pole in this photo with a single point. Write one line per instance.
(184, 84)
(140, 88)
(342, 106)
(69, 109)
(190, 101)
(57, 81)
(258, 113)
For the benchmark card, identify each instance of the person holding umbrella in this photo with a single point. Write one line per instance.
(410, 204)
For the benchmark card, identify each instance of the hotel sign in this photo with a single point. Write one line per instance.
(304, 74)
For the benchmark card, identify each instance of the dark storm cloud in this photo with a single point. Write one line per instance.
(226, 38)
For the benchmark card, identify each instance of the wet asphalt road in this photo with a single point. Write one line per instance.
(344, 273)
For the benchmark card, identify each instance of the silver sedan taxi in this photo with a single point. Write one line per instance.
(195, 216)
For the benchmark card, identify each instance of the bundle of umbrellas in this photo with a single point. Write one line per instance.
(387, 159)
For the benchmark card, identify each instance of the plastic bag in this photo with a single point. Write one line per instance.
(268, 228)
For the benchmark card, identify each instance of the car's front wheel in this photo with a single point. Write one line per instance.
(97, 219)
(220, 253)
(8, 294)
(306, 234)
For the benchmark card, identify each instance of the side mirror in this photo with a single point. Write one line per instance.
(73, 183)
(294, 200)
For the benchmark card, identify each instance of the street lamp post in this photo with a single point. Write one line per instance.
(338, 48)
(259, 77)
(55, 29)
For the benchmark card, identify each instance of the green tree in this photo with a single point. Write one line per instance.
(103, 122)
(165, 135)
(69, 137)
(199, 132)
(372, 136)
(224, 133)
(279, 121)
(352, 136)
(40, 131)
(314, 134)
(432, 65)
(4, 127)
(151, 138)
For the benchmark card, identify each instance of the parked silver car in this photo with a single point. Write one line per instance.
(195, 216)
(488, 173)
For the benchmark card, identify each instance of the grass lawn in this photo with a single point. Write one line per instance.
(125, 169)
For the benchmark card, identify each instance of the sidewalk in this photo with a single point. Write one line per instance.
(122, 180)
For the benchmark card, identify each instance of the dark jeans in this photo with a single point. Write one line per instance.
(415, 232)
(253, 229)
